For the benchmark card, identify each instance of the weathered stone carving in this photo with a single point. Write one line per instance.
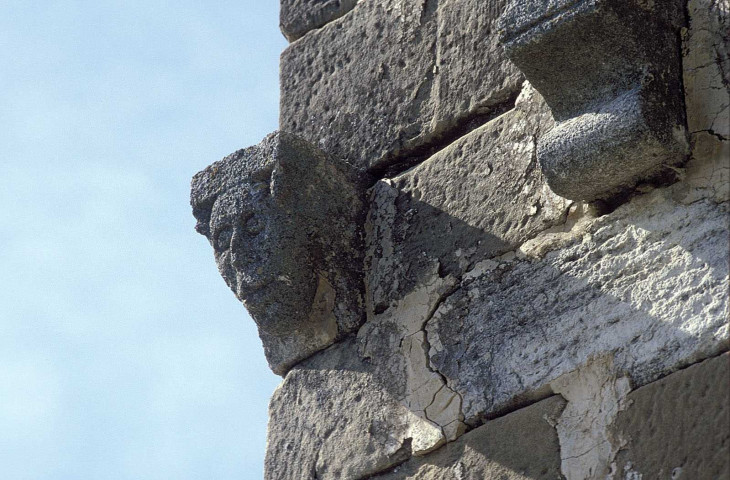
(285, 222)
(610, 71)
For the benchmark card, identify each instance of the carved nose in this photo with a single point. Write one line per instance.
(244, 250)
(239, 250)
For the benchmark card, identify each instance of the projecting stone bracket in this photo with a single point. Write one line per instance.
(286, 225)
(610, 71)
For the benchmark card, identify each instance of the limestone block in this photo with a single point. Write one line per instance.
(337, 416)
(392, 77)
(286, 225)
(297, 17)
(481, 196)
(679, 426)
(610, 72)
(706, 59)
(646, 284)
(522, 445)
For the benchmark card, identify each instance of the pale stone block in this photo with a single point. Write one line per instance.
(646, 284)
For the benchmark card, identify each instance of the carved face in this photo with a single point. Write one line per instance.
(262, 255)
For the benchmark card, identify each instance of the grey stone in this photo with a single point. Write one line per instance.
(522, 445)
(393, 78)
(646, 284)
(365, 404)
(285, 223)
(706, 61)
(678, 427)
(333, 418)
(297, 17)
(480, 197)
(610, 72)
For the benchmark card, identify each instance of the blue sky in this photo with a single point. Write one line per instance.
(123, 355)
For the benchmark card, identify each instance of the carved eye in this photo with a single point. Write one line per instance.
(223, 240)
(254, 225)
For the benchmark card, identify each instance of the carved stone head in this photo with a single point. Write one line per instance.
(285, 223)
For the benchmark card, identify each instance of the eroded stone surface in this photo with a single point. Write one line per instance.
(648, 283)
(332, 419)
(706, 58)
(678, 427)
(368, 404)
(481, 196)
(297, 17)
(596, 393)
(286, 225)
(522, 445)
(610, 72)
(394, 75)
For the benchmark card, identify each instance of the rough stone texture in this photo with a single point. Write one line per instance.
(393, 76)
(334, 418)
(395, 343)
(484, 290)
(610, 71)
(706, 65)
(481, 196)
(678, 427)
(285, 222)
(368, 404)
(706, 57)
(522, 445)
(647, 283)
(297, 17)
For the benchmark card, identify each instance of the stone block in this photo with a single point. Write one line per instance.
(679, 426)
(286, 225)
(706, 61)
(393, 78)
(297, 17)
(366, 404)
(646, 284)
(610, 72)
(336, 416)
(522, 445)
(480, 197)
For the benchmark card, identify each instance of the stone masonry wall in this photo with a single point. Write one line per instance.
(502, 331)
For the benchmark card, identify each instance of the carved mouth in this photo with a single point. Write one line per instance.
(247, 285)
(544, 21)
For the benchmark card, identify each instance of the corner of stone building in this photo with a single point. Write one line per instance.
(542, 261)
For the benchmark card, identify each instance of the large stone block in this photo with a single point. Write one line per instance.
(393, 77)
(522, 445)
(480, 197)
(337, 416)
(646, 284)
(297, 17)
(286, 225)
(365, 404)
(706, 57)
(679, 426)
(610, 71)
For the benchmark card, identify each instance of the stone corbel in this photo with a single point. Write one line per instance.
(610, 71)
(286, 225)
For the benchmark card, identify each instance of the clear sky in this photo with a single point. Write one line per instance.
(123, 355)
